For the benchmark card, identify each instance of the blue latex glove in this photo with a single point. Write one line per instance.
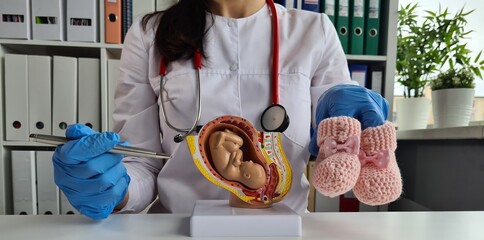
(93, 180)
(369, 107)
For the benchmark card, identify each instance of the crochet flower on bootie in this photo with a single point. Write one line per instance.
(380, 181)
(337, 166)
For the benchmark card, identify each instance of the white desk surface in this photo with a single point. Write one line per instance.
(354, 226)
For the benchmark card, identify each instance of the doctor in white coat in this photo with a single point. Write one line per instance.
(235, 39)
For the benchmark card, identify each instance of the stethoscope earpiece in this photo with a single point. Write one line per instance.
(274, 119)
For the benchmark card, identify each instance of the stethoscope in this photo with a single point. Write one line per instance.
(273, 119)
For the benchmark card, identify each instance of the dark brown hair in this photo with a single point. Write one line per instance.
(180, 30)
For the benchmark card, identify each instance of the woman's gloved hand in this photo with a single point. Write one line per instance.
(93, 180)
(369, 107)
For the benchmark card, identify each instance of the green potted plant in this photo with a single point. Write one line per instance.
(453, 89)
(453, 96)
(452, 78)
(417, 60)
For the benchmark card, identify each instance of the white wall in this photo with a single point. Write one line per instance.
(475, 22)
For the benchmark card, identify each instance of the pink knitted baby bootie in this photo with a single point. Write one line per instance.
(379, 181)
(337, 167)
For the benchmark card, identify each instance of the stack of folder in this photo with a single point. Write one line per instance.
(15, 22)
(369, 76)
(356, 21)
(56, 20)
(45, 94)
(113, 22)
(48, 20)
(372, 27)
(34, 190)
(82, 20)
(119, 15)
(73, 20)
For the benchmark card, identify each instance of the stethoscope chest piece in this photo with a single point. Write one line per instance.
(275, 119)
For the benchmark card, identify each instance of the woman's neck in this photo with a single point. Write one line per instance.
(236, 8)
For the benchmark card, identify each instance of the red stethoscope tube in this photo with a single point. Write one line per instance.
(275, 53)
(197, 61)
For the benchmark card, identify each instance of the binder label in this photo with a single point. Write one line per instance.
(80, 22)
(45, 20)
(359, 10)
(329, 7)
(12, 18)
(373, 9)
(343, 8)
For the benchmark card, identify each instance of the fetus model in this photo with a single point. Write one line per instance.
(232, 154)
(228, 160)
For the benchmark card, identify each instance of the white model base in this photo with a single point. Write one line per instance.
(215, 218)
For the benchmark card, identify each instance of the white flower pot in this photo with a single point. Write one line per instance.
(412, 113)
(452, 107)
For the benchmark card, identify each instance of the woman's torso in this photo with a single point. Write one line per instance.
(236, 80)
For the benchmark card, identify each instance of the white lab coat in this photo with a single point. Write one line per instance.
(235, 80)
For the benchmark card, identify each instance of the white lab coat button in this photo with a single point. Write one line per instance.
(234, 67)
(231, 23)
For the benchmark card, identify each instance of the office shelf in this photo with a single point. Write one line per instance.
(105, 52)
(468, 132)
(59, 44)
(366, 58)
